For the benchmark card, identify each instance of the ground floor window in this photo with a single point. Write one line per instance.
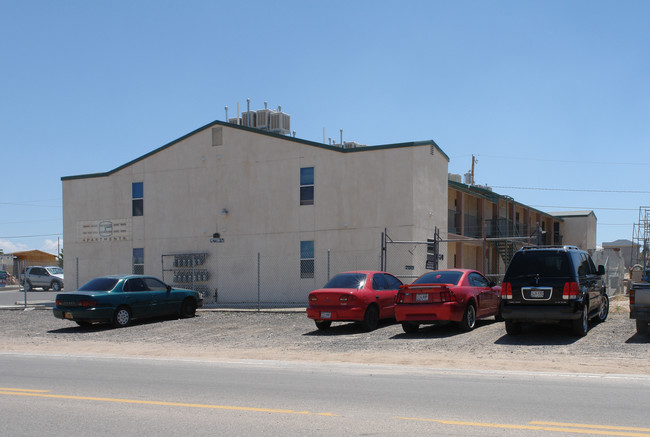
(307, 259)
(138, 261)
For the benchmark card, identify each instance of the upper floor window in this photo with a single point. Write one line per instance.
(307, 186)
(137, 196)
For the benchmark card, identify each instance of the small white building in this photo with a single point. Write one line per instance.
(251, 216)
(578, 228)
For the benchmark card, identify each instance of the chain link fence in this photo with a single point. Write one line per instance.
(261, 280)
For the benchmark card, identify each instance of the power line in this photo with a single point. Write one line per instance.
(521, 158)
(30, 236)
(573, 190)
(585, 207)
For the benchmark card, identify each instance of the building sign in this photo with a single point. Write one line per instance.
(104, 230)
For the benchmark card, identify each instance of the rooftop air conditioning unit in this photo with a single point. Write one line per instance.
(263, 119)
(455, 177)
(248, 118)
(280, 123)
(235, 120)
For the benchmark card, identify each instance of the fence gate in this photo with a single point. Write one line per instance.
(410, 259)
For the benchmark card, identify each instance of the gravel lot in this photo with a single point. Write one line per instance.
(611, 347)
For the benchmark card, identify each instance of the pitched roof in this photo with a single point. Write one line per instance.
(261, 132)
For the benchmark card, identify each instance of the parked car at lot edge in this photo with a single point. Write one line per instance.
(121, 298)
(360, 296)
(44, 277)
(553, 284)
(456, 295)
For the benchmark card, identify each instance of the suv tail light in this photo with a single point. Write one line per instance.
(571, 290)
(312, 298)
(506, 290)
(399, 297)
(632, 299)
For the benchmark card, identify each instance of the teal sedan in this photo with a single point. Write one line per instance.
(119, 299)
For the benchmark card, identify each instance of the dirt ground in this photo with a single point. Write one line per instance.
(612, 347)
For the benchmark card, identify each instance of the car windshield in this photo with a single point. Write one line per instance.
(547, 263)
(99, 284)
(439, 277)
(55, 270)
(347, 280)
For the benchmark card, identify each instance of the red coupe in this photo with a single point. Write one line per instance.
(458, 295)
(361, 296)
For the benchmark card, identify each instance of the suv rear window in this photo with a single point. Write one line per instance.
(550, 264)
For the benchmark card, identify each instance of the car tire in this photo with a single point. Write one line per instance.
(323, 325)
(581, 325)
(604, 309)
(469, 318)
(188, 308)
(641, 327)
(371, 318)
(410, 328)
(28, 286)
(513, 328)
(56, 286)
(122, 317)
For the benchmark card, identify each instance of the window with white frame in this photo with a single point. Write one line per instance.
(307, 259)
(307, 186)
(138, 261)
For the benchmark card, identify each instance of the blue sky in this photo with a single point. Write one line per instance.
(552, 97)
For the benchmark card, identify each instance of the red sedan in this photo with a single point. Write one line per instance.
(458, 295)
(360, 296)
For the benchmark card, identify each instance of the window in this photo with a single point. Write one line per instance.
(393, 282)
(137, 202)
(306, 259)
(138, 261)
(307, 186)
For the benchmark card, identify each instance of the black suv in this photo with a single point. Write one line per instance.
(553, 284)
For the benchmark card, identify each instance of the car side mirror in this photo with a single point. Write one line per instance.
(492, 284)
(169, 288)
(601, 270)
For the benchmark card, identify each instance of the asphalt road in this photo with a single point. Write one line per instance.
(74, 395)
(10, 296)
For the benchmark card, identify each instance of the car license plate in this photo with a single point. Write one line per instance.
(67, 315)
(537, 294)
(422, 297)
(325, 315)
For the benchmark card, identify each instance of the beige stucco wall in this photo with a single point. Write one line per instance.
(256, 178)
(579, 231)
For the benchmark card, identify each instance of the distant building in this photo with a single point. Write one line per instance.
(579, 228)
(628, 250)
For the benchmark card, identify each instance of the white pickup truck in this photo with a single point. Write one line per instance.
(640, 303)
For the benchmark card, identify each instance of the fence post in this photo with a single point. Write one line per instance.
(258, 282)
(328, 265)
(77, 270)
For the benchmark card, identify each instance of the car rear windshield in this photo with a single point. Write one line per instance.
(546, 263)
(347, 280)
(99, 284)
(439, 277)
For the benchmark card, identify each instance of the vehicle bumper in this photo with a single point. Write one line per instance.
(429, 313)
(639, 313)
(337, 313)
(540, 312)
(86, 315)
